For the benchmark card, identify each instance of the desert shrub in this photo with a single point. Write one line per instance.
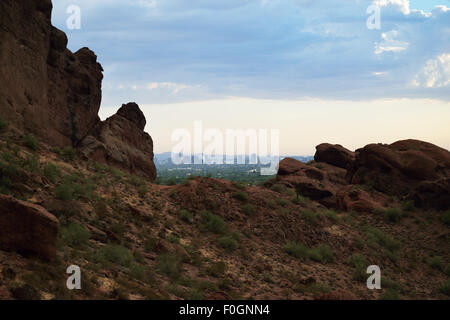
(409, 206)
(391, 214)
(213, 223)
(30, 141)
(331, 215)
(51, 172)
(3, 124)
(277, 188)
(248, 209)
(321, 253)
(445, 288)
(228, 242)
(75, 235)
(384, 240)
(310, 216)
(171, 182)
(64, 192)
(173, 239)
(150, 244)
(445, 218)
(68, 153)
(217, 269)
(436, 263)
(300, 200)
(360, 263)
(142, 190)
(31, 163)
(169, 264)
(185, 215)
(390, 294)
(240, 195)
(116, 254)
(139, 272)
(282, 202)
(297, 250)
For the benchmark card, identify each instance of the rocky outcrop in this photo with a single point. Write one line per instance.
(27, 228)
(56, 94)
(405, 168)
(335, 155)
(353, 198)
(45, 88)
(120, 141)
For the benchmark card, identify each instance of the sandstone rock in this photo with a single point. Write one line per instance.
(432, 194)
(335, 155)
(398, 169)
(309, 181)
(46, 89)
(350, 198)
(25, 227)
(120, 141)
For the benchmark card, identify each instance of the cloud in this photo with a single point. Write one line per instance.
(279, 49)
(435, 73)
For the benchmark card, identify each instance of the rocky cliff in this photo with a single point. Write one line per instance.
(50, 91)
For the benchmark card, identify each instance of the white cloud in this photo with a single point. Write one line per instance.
(403, 5)
(435, 73)
(390, 43)
(174, 87)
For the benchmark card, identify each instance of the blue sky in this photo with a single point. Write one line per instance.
(204, 53)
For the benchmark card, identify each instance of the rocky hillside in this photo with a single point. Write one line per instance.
(75, 190)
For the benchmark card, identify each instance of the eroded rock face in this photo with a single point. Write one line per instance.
(120, 141)
(353, 198)
(335, 155)
(25, 227)
(401, 168)
(45, 88)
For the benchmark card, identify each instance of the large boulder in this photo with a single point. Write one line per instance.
(400, 168)
(308, 180)
(353, 198)
(120, 141)
(27, 228)
(45, 88)
(335, 155)
(432, 194)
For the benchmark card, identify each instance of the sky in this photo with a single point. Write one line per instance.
(310, 68)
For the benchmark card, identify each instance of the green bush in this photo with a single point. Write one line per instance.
(150, 244)
(445, 218)
(64, 192)
(390, 294)
(213, 223)
(75, 235)
(310, 216)
(321, 253)
(360, 263)
(331, 215)
(3, 124)
(116, 254)
(139, 272)
(52, 172)
(142, 190)
(31, 141)
(185, 215)
(217, 269)
(384, 240)
(297, 250)
(69, 153)
(445, 288)
(282, 202)
(248, 209)
(228, 242)
(436, 263)
(75, 186)
(240, 195)
(169, 265)
(391, 214)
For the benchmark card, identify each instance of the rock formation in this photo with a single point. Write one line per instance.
(120, 141)
(56, 94)
(408, 169)
(27, 228)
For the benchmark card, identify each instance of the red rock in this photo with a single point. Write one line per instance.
(335, 155)
(46, 89)
(25, 227)
(120, 141)
(350, 198)
(398, 169)
(433, 194)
